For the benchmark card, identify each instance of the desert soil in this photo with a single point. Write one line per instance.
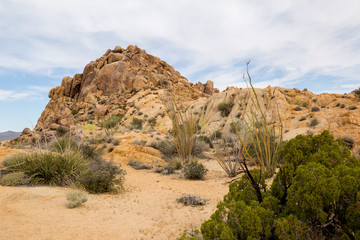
(145, 209)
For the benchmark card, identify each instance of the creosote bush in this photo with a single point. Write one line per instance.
(194, 170)
(315, 109)
(356, 92)
(112, 122)
(75, 198)
(225, 108)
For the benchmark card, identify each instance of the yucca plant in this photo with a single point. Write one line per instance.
(47, 167)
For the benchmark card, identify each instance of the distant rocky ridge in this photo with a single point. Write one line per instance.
(134, 84)
(4, 136)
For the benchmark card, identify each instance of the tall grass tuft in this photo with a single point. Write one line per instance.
(45, 167)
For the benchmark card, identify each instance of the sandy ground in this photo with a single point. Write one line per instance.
(146, 209)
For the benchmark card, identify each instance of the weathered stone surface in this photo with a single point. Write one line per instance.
(67, 84)
(101, 110)
(26, 131)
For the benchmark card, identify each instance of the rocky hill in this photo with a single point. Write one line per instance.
(133, 84)
(107, 86)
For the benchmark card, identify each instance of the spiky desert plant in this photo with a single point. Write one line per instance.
(264, 136)
(183, 126)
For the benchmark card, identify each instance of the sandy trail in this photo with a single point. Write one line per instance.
(146, 209)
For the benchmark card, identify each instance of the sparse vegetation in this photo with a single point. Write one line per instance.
(225, 108)
(194, 170)
(315, 109)
(356, 92)
(349, 141)
(352, 107)
(216, 135)
(69, 164)
(75, 198)
(61, 131)
(112, 122)
(152, 122)
(74, 112)
(298, 108)
(136, 123)
(314, 122)
(191, 200)
(137, 164)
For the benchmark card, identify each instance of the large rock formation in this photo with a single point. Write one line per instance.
(132, 83)
(107, 84)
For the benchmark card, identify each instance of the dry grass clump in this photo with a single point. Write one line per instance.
(191, 200)
(76, 198)
(137, 164)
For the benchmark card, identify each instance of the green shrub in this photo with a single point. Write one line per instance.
(152, 121)
(90, 152)
(314, 122)
(352, 107)
(136, 123)
(315, 109)
(319, 182)
(217, 134)
(101, 176)
(74, 112)
(14, 179)
(46, 167)
(112, 122)
(176, 163)
(64, 144)
(225, 108)
(194, 170)
(167, 147)
(75, 198)
(298, 108)
(162, 83)
(356, 92)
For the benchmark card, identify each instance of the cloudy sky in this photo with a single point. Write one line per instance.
(303, 44)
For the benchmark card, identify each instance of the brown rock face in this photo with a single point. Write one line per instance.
(115, 75)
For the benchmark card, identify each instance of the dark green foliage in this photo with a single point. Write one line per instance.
(315, 193)
(217, 134)
(133, 90)
(356, 92)
(101, 176)
(194, 170)
(74, 112)
(225, 108)
(138, 165)
(136, 123)
(298, 108)
(315, 109)
(152, 121)
(162, 83)
(314, 122)
(352, 107)
(112, 121)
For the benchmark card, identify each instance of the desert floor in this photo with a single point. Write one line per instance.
(146, 209)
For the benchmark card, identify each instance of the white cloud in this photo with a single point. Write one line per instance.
(28, 94)
(297, 38)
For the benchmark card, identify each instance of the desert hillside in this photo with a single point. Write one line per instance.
(119, 107)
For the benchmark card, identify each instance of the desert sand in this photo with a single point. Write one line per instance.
(145, 209)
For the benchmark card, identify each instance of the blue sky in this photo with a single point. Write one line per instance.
(301, 44)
